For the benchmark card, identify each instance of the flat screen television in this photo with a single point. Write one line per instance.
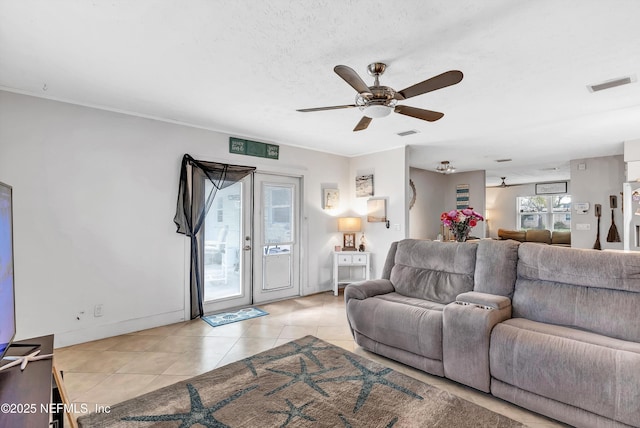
(7, 291)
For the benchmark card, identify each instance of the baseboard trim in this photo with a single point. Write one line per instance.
(74, 337)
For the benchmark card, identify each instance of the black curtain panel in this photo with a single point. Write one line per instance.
(192, 207)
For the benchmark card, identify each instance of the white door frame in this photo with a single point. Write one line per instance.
(245, 255)
(277, 274)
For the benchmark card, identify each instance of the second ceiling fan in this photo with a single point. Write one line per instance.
(378, 101)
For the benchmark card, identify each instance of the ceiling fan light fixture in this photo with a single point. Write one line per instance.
(375, 111)
(445, 167)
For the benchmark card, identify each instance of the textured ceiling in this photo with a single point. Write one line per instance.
(244, 67)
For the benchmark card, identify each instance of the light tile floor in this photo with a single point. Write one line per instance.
(107, 371)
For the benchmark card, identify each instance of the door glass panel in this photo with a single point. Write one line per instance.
(278, 233)
(222, 244)
(278, 214)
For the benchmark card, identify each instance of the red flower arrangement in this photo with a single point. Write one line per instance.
(460, 222)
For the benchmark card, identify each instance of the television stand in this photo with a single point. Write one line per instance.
(29, 393)
(26, 359)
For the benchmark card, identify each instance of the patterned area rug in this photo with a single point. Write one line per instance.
(304, 383)
(229, 317)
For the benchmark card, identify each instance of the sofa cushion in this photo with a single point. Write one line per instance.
(435, 271)
(588, 289)
(400, 322)
(516, 235)
(561, 238)
(496, 263)
(578, 368)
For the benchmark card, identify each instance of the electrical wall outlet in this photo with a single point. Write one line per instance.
(583, 226)
(97, 310)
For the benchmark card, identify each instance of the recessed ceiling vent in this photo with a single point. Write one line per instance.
(409, 132)
(503, 160)
(611, 83)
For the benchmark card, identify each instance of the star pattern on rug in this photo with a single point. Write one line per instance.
(303, 377)
(249, 363)
(347, 424)
(294, 412)
(369, 378)
(307, 350)
(198, 414)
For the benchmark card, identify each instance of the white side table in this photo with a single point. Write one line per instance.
(351, 262)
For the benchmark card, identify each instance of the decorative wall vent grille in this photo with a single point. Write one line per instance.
(611, 84)
(405, 133)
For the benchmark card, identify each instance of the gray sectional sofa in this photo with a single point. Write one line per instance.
(555, 330)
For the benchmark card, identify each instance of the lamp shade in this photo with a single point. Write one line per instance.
(349, 224)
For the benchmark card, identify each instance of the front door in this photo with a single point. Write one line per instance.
(226, 256)
(276, 261)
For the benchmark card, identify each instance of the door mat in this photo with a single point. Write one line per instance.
(229, 317)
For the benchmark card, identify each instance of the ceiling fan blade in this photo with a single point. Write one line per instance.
(419, 113)
(364, 122)
(440, 81)
(306, 110)
(352, 78)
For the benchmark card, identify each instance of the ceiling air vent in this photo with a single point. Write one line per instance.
(611, 84)
(503, 160)
(409, 132)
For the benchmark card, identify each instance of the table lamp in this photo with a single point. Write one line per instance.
(349, 226)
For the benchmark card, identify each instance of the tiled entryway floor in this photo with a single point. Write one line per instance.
(107, 371)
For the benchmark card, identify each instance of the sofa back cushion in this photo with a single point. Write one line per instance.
(516, 235)
(496, 263)
(598, 291)
(561, 238)
(538, 235)
(435, 271)
(389, 261)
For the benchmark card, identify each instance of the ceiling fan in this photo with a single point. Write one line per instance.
(379, 101)
(503, 184)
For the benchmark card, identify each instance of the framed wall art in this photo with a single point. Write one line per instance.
(551, 188)
(364, 185)
(376, 210)
(330, 199)
(462, 196)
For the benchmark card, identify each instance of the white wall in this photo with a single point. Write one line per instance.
(95, 195)
(391, 181)
(424, 217)
(602, 176)
(436, 193)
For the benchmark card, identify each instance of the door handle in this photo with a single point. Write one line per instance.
(247, 247)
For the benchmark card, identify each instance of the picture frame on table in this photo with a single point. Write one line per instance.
(349, 242)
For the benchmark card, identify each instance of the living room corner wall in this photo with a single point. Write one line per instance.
(95, 194)
(593, 183)
(424, 217)
(391, 181)
(436, 193)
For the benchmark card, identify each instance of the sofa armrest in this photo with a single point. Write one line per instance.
(365, 289)
(487, 301)
(466, 333)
